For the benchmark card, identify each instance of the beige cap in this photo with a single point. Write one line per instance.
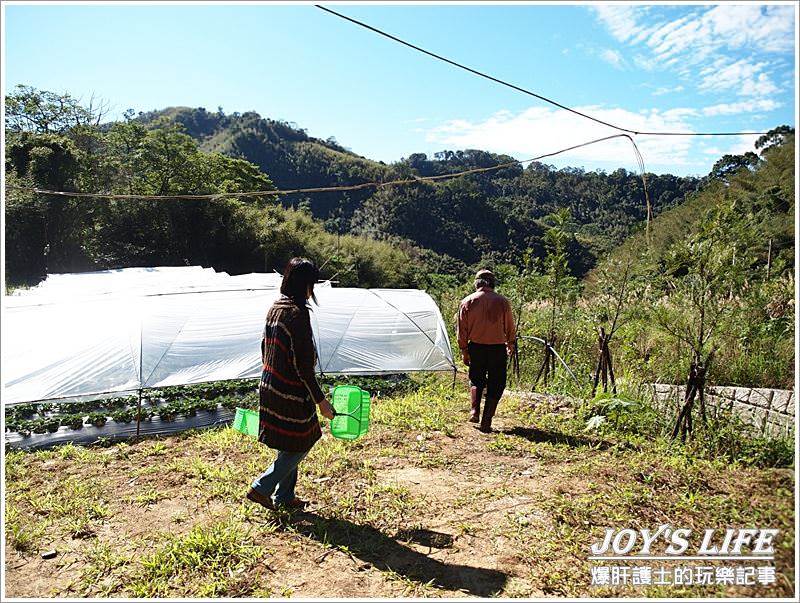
(487, 276)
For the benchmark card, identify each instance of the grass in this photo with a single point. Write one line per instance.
(202, 562)
(102, 561)
(149, 497)
(421, 506)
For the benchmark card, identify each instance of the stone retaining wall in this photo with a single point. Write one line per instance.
(770, 411)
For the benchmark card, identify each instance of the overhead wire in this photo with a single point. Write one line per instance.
(216, 196)
(352, 187)
(523, 90)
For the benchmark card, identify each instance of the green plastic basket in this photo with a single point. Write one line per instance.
(351, 405)
(246, 421)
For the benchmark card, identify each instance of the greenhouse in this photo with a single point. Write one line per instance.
(121, 332)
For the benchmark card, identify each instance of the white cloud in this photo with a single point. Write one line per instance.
(666, 90)
(612, 57)
(643, 62)
(717, 35)
(680, 36)
(738, 145)
(620, 20)
(539, 131)
(761, 86)
(768, 28)
(742, 107)
(742, 77)
(678, 114)
(725, 27)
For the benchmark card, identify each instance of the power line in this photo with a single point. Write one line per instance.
(416, 179)
(352, 187)
(523, 90)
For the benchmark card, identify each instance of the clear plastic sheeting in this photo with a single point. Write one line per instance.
(144, 281)
(379, 331)
(99, 333)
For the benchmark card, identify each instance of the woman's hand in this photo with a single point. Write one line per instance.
(326, 409)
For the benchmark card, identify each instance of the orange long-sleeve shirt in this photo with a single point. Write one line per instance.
(485, 317)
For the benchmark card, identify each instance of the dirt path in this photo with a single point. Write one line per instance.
(409, 514)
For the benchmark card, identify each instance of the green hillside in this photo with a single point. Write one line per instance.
(290, 157)
(493, 216)
(763, 192)
(54, 143)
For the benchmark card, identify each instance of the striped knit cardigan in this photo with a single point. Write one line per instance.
(288, 392)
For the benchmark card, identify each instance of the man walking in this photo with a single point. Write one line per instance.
(486, 334)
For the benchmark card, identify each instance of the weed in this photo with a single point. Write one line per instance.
(79, 527)
(411, 587)
(436, 407)
(503, 444)
(149, 497)
(197, 564)
(102, 559)
(98, 510)
(72, 452)
(222, 438)
(582, 481)
(156, 449)
(123, 451)
(180, 517)
(21, 534)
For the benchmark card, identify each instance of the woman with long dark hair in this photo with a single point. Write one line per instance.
(289, 392)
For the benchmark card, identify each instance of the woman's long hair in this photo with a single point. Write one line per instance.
(299, 275)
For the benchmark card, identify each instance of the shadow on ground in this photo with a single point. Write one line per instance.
(389, 554)
(538, 435)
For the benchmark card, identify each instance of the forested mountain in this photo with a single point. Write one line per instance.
(761, 193)
(489, 217)
(379, 235)
(54, 143)
(290, 157)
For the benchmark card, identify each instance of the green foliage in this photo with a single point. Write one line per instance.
(155, 156)
(607, 407)
(30, 110)
(719, 274)
(203, 560)
(431, 408)
(775, 137)
(729, 165)
(291, 157)
(728, 438)
(493, 214)
(702, 278)
(627, 414)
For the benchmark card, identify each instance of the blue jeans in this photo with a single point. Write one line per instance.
(279, 480)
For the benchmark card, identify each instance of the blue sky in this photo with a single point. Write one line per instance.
(687, 68)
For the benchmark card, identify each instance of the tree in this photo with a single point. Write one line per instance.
(51, 162)
(775, 137)
(702, 279)
(560, 284)
(616, 283)
(43, 112)
(728, 165)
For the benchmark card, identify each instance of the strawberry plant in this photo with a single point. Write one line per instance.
(98, 419)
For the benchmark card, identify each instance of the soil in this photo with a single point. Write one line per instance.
(460, 543)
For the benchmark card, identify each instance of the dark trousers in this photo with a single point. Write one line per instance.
(487, 368)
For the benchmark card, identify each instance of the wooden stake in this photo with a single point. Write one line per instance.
(769, 259)
(139, 414)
